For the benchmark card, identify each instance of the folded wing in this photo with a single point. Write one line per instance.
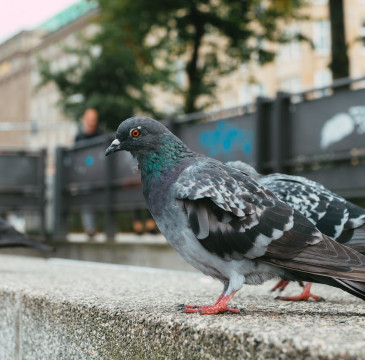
(234, 217)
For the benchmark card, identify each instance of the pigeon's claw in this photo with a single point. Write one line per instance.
(220, 306)
(304, 296)
(193, 307)
(185, 308)
(209, 309)
(281, 285)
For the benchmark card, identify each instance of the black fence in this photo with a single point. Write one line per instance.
(319, 133)
(224, 135)
(86, 179)
(22, 182)
(320, 138)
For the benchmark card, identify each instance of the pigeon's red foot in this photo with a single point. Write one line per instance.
(220, 306)
(184, 307)
(209, 309)
(304, 296)
(281, 285)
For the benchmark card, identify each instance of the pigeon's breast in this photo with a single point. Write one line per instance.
(173, 224)
(157, 188)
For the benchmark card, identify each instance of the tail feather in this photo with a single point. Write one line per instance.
(355, 288)
(327, 262)
(358, 247)
(326, 258)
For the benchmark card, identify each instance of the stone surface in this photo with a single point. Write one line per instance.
(9, 325)
(59, 309)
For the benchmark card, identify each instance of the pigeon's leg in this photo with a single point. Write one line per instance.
(281, 285)
(225, 287)
(221, 305)
(304, 296)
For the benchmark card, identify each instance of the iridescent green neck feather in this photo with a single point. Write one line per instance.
(167, 154)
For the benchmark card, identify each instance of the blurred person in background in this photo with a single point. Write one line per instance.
(89, 126)
(89, 129)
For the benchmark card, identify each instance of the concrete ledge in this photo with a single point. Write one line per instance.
(128, 249)
(132, 252)
(58, 309)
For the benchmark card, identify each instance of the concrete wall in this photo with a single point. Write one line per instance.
(57, 309)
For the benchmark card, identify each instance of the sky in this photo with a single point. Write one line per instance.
(19, 15)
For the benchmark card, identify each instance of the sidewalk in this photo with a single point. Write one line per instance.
(60, 309)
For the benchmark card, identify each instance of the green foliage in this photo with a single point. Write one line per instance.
(110, 83)
(145, 43)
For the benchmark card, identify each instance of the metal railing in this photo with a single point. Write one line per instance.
(22, 182)
(322, 138)
(87, 179)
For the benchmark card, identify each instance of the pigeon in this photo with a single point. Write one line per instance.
(226, 224)
(333, 215)
(9, 237)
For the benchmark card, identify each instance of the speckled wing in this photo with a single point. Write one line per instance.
(233, 216)
(330, 213)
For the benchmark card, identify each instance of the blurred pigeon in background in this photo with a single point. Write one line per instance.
(226, 224)
(333, 215)
(9, 237)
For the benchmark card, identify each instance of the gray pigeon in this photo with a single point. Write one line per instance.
(333, 215)
(226, 224)
(9, 237)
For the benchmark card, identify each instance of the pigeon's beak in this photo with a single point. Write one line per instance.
(114, 146)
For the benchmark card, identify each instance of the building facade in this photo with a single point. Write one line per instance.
(30, 117)
(299, 66)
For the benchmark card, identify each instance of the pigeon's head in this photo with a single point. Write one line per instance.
(136, 134)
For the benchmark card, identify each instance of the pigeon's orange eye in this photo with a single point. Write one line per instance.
(135, 133)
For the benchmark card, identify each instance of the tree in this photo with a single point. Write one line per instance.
(340, 65)
(146, 43)
(109, 82)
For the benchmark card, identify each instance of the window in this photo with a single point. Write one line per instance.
(293, 84)
(249, 92)
(322, 37)
(322, 78)
(245, 95)
(291, 50)
(260, 89)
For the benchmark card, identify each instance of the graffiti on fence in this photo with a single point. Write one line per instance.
(225, 139)
(89, 160)
(342, 125)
